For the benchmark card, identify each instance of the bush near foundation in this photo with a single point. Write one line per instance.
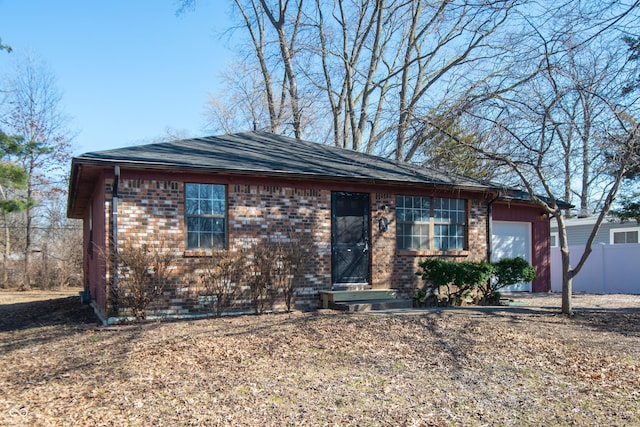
(221, 272)
(457, 283)
(506, 272)
(143, 273)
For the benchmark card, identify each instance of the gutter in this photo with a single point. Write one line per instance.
(114, 235)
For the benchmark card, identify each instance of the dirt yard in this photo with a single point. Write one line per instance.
(513, 366)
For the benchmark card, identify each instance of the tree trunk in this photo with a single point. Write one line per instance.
(6, 253)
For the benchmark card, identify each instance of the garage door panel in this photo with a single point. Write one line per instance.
(511, 240)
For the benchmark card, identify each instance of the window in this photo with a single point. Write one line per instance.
(624, 235)
(205, 210)
(554, 240)
(424, 223)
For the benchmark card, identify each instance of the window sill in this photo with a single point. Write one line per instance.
(455, 253)
(195, 253)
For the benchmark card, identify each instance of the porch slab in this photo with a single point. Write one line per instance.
(330, 297)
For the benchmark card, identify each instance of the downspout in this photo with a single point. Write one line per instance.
(114, 237)
(490, 226)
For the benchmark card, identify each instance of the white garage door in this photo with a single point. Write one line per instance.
(510, 240)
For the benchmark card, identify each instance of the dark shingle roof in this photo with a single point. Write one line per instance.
(260, 154)
(267, 154)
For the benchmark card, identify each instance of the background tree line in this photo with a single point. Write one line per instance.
(40, 246)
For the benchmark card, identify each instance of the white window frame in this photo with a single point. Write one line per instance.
(555, 235)
(622, 230)
(210, 215)
(430, 221)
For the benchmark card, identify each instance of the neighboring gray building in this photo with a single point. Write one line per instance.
(612, 266)
(611, 231)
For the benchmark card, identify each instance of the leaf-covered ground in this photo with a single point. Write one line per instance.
(505, 366)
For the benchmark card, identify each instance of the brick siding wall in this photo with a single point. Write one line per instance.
(152, 210)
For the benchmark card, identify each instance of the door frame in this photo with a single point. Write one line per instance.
(367, 225)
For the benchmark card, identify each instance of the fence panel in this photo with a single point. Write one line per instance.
(610, 269)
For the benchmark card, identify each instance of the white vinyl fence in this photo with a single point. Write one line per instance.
(610, 269)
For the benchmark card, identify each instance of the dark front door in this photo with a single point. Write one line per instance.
(350, 237)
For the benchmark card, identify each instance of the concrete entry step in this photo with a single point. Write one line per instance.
(329, 297)
(363, 300)
(360, 306)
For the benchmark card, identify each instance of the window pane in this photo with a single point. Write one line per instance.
(217, 241)
(205, 215)
(618, 238)
(218, 225)
(192, 240)
(424, 241)
(205, 207)
(191, 207)
(218, 207)
(424, 213)
(218, 192)
(206, 225)
(412, 222)
(206, 191)
(632, 237)
(206, 241)
(191, 191)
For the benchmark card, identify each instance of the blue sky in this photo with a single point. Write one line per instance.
(128, 69)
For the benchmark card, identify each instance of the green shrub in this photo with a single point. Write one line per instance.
(506, 272)
(453, 282)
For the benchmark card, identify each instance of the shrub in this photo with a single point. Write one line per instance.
(290, 258)
(260, 269)
(470, 276)
(454, 281)
(221, 271)
(142, 276)
(506, 272)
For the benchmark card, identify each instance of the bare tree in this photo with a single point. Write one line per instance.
(374, 68)
(31, 109)
(59, 260)
(352, 43)
(243, 105)
(569, 111)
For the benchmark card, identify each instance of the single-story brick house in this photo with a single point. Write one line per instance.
(370, 219)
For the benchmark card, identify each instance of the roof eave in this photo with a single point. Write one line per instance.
(178, 167)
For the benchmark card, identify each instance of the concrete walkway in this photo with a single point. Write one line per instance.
(547, 302)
